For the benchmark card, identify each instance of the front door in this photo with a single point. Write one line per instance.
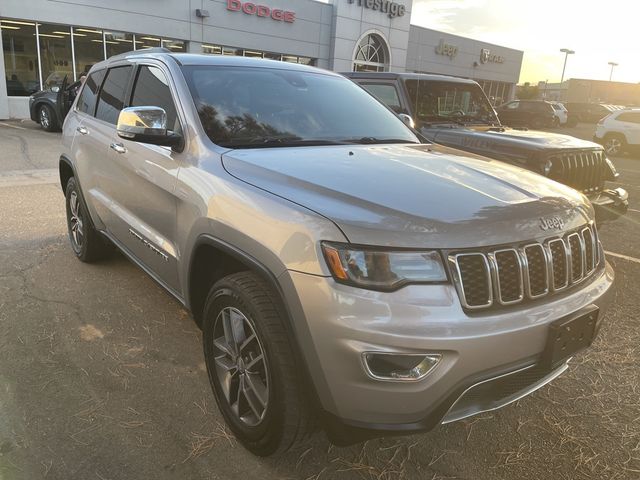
(141, 183)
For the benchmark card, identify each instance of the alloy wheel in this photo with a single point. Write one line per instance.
(613, 146)
(76, 224)
(45, 121)
(241, 366)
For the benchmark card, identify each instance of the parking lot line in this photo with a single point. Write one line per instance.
(623, 257)
(13, 126)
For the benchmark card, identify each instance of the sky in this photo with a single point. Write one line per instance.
(599, 31)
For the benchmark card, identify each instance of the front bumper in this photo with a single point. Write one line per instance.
(610, 204)
(343, 322)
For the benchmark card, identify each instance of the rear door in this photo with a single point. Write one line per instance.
(141, 181)
(509, 113)
(629, 124)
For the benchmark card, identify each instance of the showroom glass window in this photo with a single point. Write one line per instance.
(176, 46)
(117, 43)
(112, 95)
(20, 57)
(147, 41)
(87, 100)
(371, 55)
(152, 90)
(89, 49)
(55, 55)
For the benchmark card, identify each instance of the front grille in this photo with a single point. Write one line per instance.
(508, 276)
(582, 170)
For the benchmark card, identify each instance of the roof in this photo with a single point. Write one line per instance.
(407, 76)
(204, 59)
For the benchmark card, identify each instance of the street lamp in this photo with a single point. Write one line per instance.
(566, 52)
(613, 65)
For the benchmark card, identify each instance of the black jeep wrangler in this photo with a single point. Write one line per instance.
(456, 113)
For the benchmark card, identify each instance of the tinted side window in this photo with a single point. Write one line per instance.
(630, 117)
(87, 100)
(152, 90)
(112, 95)
(386, 93)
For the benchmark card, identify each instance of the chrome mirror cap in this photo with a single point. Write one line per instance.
(407, 120)
(142, 121)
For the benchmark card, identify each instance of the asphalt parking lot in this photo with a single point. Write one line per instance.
(102, 374)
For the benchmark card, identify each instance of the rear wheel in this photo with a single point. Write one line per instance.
(47, 118)
(251, 365)
(614, 144)
(87, 243)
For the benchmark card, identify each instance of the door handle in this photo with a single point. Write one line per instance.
(82, 130)
(118, 147)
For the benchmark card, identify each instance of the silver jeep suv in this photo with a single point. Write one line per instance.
(344, 273)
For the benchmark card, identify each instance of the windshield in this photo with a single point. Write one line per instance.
(245, 107)
(435, 101)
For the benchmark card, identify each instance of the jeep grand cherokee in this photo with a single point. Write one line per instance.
(343, 273)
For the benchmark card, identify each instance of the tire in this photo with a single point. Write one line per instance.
(555, 123)
(47, 118)
(614, 144)
(282, 419)
(86, 242)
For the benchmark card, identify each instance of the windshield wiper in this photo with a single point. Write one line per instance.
(374, 140)
(272, 142)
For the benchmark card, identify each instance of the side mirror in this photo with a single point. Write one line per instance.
(407, 120)
(146, 125)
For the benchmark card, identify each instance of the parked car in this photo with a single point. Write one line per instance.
(455, 112)
(589, 112)
(560, 111)
(619, 131)
(344, 273)
(49, 107)
(534, 114)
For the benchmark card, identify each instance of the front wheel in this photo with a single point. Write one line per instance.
(251, 365)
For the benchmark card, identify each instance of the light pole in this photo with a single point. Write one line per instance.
(566, 52)
(613, 65)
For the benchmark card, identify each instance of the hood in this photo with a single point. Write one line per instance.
(493, 139)
(416, 196)
(44, 94)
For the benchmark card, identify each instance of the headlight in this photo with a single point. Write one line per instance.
(377, 268)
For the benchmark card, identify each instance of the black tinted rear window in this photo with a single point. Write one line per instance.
(112, 95)
(87, 100)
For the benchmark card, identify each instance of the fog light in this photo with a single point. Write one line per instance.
(399, 366)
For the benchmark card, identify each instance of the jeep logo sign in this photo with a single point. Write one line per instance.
(250, 8)
(446, 49)
(551, 223)
(392, 9)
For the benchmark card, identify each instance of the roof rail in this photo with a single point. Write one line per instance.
(138, 52)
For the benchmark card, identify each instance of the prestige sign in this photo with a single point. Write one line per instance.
(392, 9)
(487, 56)
(250, 8)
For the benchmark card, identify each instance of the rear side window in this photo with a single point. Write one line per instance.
(112, 95)
(152, 90)
(87, 100)
(386, 93)
(630, 117)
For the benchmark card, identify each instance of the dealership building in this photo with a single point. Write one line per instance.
(45, 40)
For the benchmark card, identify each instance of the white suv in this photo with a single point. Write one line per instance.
(619, 131)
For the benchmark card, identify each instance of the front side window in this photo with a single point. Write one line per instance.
(386, 93)
(87, 100)
(152, 90)
(112, 95)
(20, 57)
(243, 107)
(452, 101)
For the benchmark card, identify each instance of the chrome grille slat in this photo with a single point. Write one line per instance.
(509, 276)
(582, 170)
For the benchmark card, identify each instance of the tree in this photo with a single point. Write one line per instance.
(527, 92)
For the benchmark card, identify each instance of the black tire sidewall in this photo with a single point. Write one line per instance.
(263, 438)
(73, 187)
(52, 121)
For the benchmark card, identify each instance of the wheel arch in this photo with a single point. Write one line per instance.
(66, 171)
(208, 248)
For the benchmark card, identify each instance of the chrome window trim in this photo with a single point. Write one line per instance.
(496, 275)
(463, 297)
